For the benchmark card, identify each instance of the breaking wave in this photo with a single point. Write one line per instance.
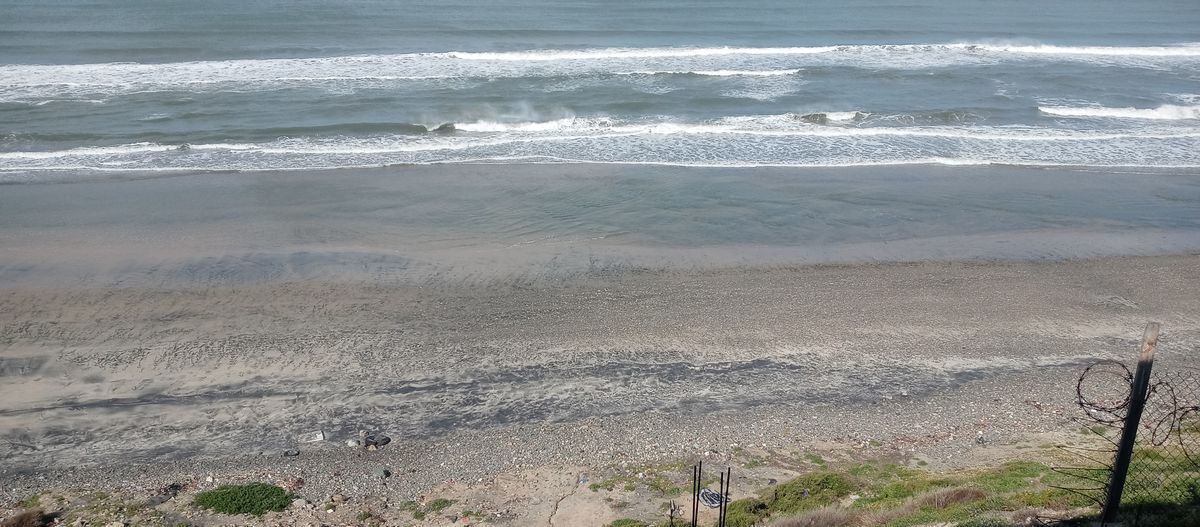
(35, 83)
(1164, 112)
(765, 140)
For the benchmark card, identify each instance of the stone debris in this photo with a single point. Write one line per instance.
(312, 437)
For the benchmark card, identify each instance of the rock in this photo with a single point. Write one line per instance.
(337, 498)
(209, 479)
(292, 484)
(115, 524)
(375, 440)
(372, 448)
(170, 490)
(312, 437)
(353, 443)
(291, 453)
(815, 118)
(383, 473)
(301, 503)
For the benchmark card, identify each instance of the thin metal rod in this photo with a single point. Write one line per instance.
(1137, 402)
(696, 493)
(721, 487)
(725, 495)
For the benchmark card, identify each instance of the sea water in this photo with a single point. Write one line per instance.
(101, 86)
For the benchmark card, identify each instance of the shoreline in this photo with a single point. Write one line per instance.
(500, 321)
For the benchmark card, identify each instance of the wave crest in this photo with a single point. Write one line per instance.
(1169, 112)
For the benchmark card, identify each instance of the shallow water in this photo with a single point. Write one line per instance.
(523, 223)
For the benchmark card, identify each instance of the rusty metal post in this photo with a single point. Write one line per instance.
(1137, 402)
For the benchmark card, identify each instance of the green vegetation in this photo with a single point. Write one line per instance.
(254, 498)
(627, 522)
(439, 505)
(664, 480)
(815, 459)
(30, 503)
(433, 507)
(891, 495)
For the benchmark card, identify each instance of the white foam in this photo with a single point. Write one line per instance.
(1165, 112)
(843, 116)
(718, 73)
(35, 83)
(770, 140)
(536, 126)
(634, 53)
(1181, 50)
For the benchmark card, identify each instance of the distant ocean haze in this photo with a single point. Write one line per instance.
(133, 86)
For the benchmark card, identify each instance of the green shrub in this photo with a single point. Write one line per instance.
(254, 498)
(745, 512)
(809, 492)
(439, 505)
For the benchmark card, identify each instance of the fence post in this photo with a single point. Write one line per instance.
(1137, 401)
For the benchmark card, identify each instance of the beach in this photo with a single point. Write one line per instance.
(214, 334)
(557, 251)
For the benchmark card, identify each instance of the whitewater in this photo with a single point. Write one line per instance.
(800, 89)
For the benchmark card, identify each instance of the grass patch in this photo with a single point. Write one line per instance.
(665, 480)
(255, 498)
(32, 502)
(893, 495)
(439, 505)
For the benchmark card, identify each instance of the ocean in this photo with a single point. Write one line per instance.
(95, 87)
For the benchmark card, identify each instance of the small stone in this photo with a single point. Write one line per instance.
(291, 453)
(383, 473)
(337, 498)
(372, 448)
(292, 484)
(115, 524)
(353, 443)
(301, 503)
(312, 437)
(208, 479)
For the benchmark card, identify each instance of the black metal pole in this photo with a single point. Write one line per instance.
(725, 494)
(696, 493)
(725, 501)
(1137, 402)
(721, 491)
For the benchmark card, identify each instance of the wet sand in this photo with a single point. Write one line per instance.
(142, 327)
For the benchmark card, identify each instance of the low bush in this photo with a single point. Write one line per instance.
(254, 498)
